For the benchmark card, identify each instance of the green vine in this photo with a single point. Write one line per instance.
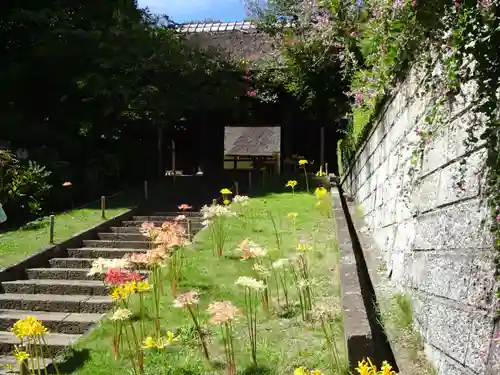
(464, 36)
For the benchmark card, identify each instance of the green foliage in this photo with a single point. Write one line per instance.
(310, 65)
(23, 186)
(87, 87)
(381, 40)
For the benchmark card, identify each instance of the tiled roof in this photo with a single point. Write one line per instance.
(216, 26)
(252, 141)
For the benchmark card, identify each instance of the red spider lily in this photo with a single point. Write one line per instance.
(118, 277)
(185, 207)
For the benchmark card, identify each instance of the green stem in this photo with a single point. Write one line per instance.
(130, 349)
(200, 333)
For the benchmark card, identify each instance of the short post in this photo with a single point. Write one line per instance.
(249, 181)
(103, 207)
(189, 229)
(51, 229)
(236, 188)
(326, 168)
(146, 193)
(214, 202)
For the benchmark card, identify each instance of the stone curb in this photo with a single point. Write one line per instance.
(357, 330)
(382, 287)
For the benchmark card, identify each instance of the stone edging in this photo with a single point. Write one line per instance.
(42, 257)
(382, 287)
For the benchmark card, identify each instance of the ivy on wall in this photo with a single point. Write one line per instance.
(333, 50)
(460, 42)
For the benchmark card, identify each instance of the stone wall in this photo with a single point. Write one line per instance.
(432, 234)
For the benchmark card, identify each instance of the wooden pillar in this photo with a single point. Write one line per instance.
(161, 169)
(211, 140)
(286, 139)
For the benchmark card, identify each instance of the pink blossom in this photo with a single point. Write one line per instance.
(358, 98)
(398, 4)
(251, 93)
(484, 4)
(414, 3)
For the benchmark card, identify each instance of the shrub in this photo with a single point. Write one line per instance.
(23, 186)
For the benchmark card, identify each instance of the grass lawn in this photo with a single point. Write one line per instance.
(17, 244)
(285, 340)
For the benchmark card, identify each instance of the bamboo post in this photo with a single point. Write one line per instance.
(146, 193)
(236, 188)
(51, 229)
(189, 229)
(103, 207)
(173, 160)
(326, 168)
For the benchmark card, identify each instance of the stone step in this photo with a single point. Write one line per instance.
(71, 262)
(56, 303)
(103, 252)
(9, 362)
(195, 227)
(56, 342)
(59, 287)
(137, 224)
(162, 219)
(117, 244)
(59, 322)
(122, 236)
(67, 274)
(74, 263)
(192, 214)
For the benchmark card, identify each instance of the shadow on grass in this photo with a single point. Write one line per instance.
(73, 360)
(34, 225)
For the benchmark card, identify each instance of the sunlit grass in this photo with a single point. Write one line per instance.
(285, 340)
(17, 244)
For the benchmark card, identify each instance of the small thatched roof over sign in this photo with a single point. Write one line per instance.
(252, 141)
(236, 40)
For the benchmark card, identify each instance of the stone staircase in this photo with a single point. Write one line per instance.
(63, 297)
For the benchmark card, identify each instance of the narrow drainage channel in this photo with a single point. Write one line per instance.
(382, 348)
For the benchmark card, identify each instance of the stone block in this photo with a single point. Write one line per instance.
(481, 291)
(419, 307)
(465, 224)
(494, 358)
(426, 197)
(397, 264)
(449, 189)
(443, 273)
(448, 366)
(445, 321)
(435, 154)
(468, 92)
(405, 235)
(401, 125)
(416, 109)
(479, 342)
(431, 231)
